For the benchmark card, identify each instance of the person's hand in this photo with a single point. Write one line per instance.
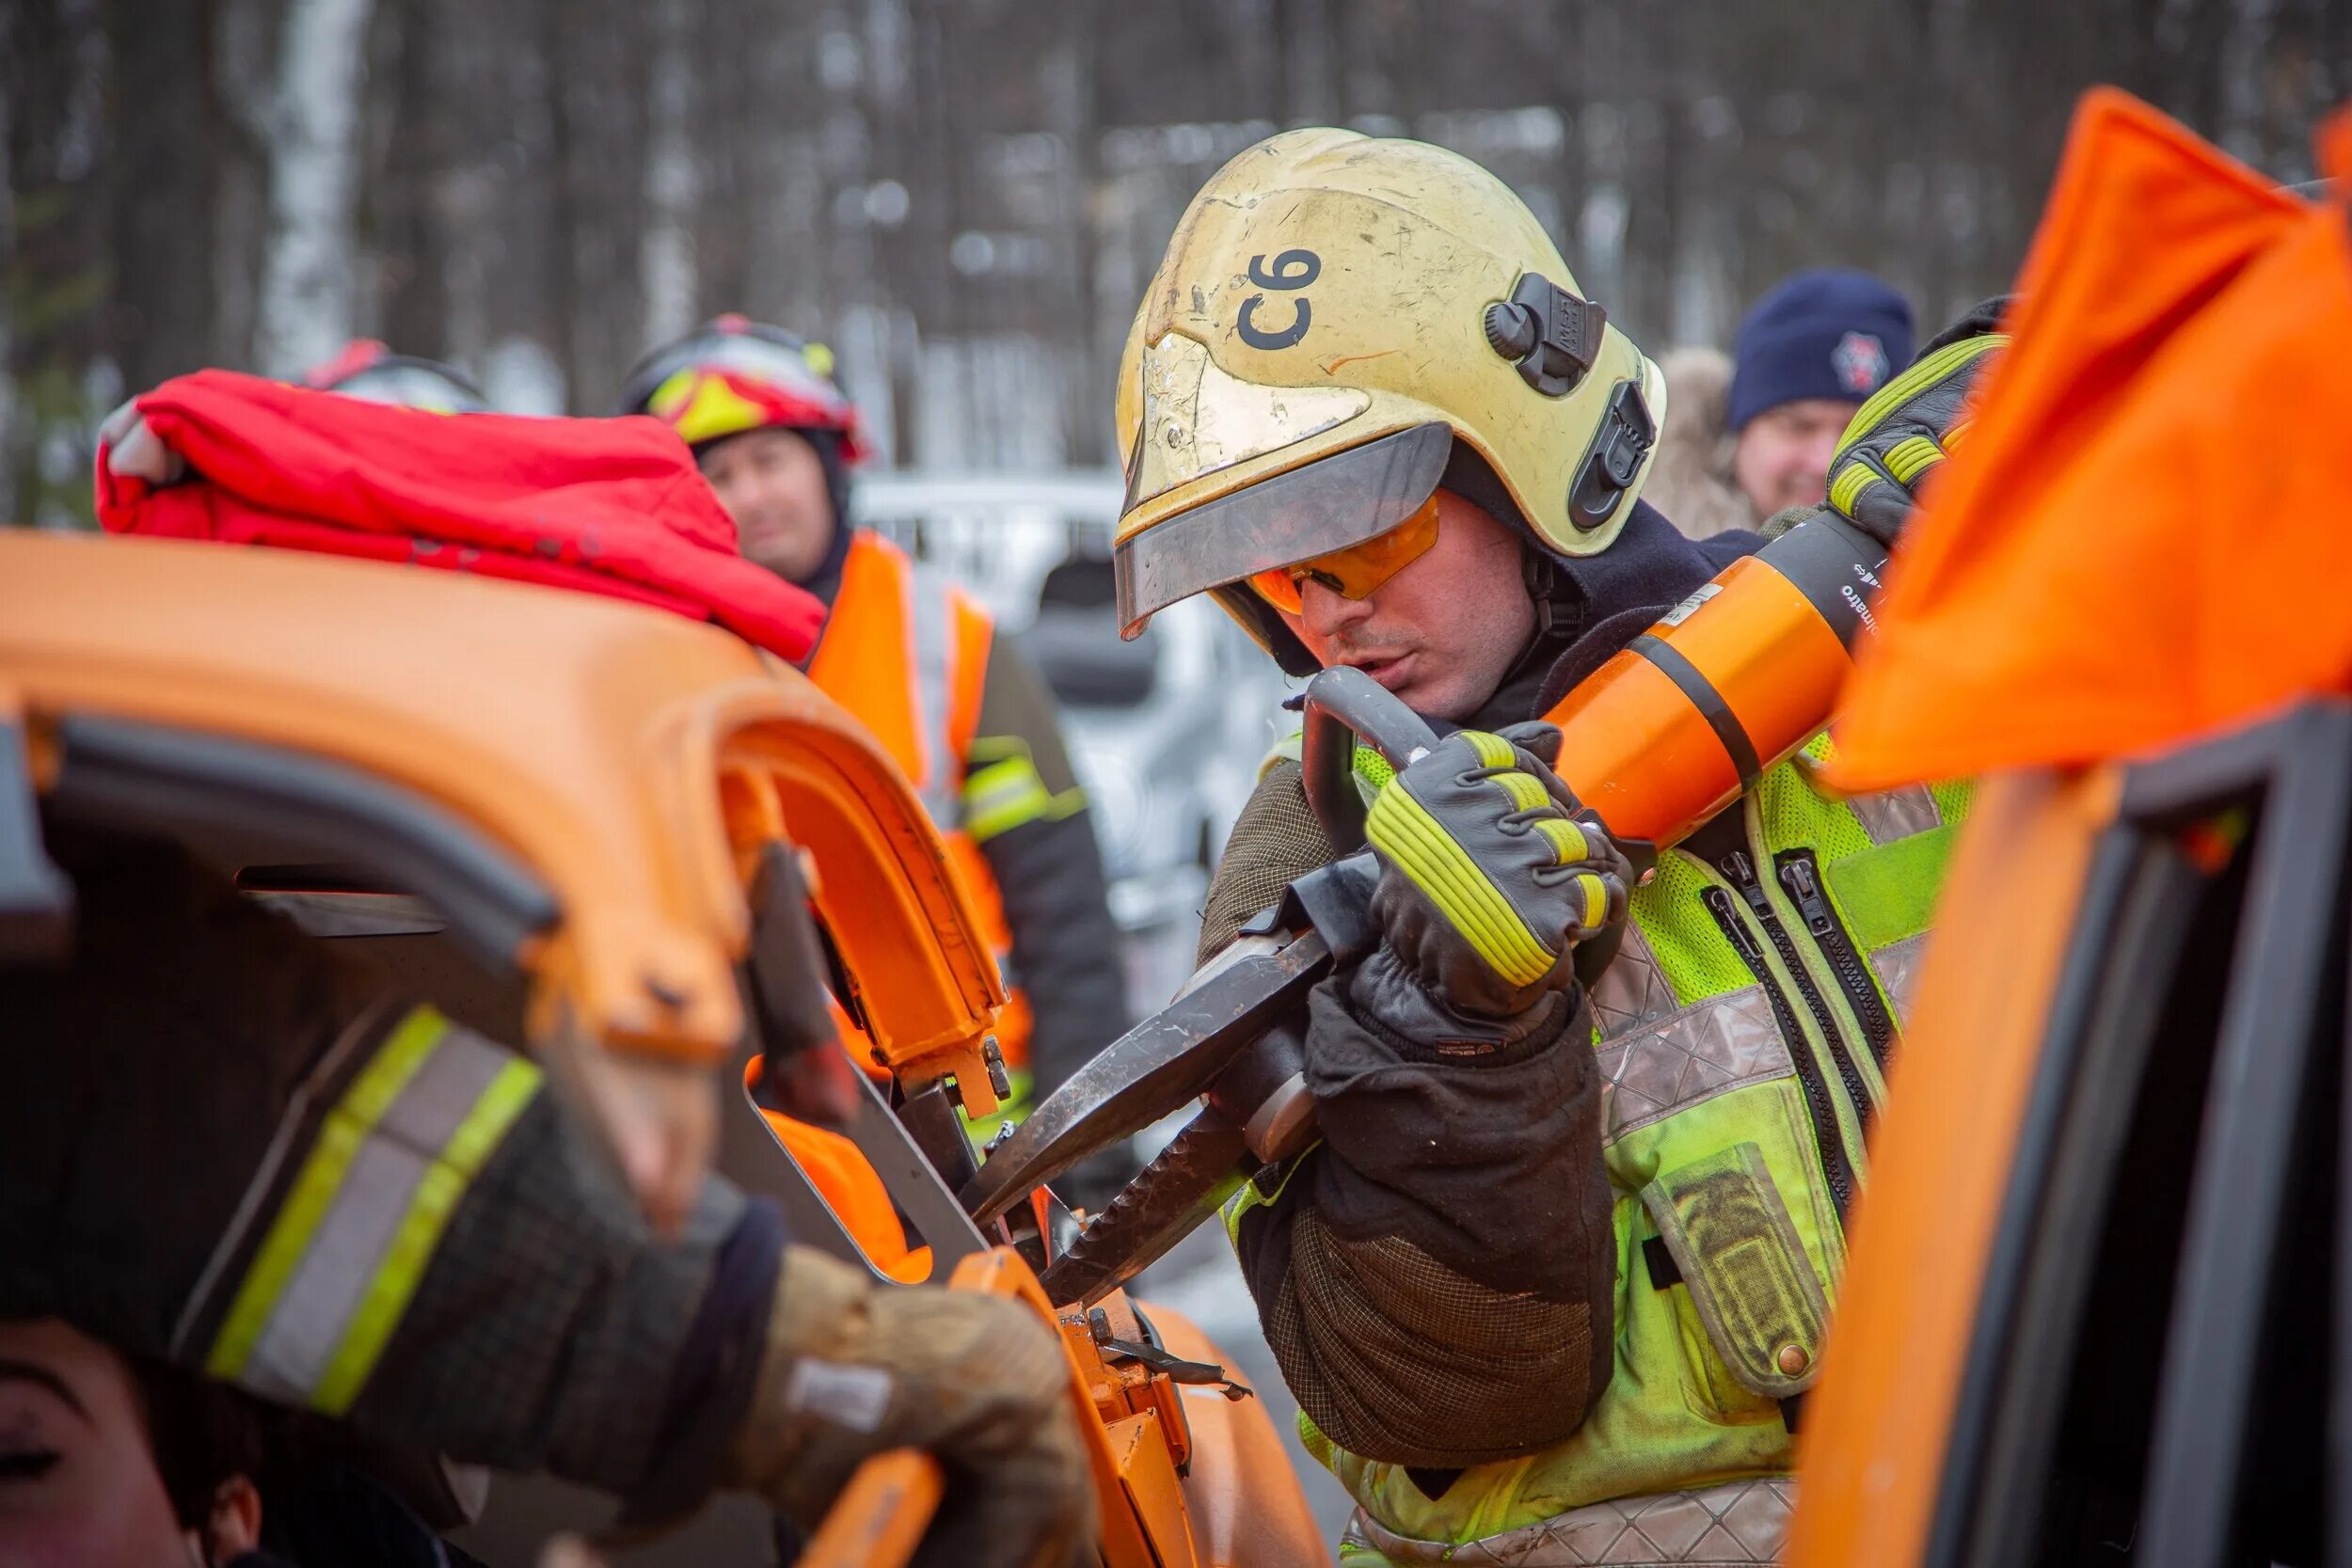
(1487, 880)
(1910, 424)
(854, 1369)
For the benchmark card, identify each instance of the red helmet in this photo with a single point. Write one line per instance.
(732, 374)
(366, 368)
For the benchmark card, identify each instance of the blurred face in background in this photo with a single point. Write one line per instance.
(1783, 456)
(773, 482)
(1441, 633)
(78, 1483)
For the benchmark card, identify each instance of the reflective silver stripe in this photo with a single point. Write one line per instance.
(1894, 814)
(1632, 991)
(308, 1323)
(930, 612)
(1710, 1048)
(298, 1114)
(1736, 1522)
(1898, 967)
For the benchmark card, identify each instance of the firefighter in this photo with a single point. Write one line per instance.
(224, 1147)
(963, 713)
(1553, 1285)
(367, 368)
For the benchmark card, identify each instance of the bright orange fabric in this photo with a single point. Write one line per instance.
(847, 1181)
(865, 659)
(2144, 537)
(865, 662)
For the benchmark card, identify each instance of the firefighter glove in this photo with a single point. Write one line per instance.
(1912, 424)
(1488, 878)
(854, 1369)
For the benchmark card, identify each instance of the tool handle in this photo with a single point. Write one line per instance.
(1344, 705)
(882, 1513)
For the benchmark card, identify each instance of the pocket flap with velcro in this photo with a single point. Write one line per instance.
(1731, 1237)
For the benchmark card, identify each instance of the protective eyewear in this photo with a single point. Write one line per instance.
(1355, 573)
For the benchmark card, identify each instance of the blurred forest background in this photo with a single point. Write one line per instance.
(965, 198)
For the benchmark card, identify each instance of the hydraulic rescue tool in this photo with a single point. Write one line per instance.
(1668, 731)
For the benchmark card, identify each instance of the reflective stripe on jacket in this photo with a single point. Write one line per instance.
(408, 1127)
(1742, 1030)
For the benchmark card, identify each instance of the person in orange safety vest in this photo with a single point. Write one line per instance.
(963, 713)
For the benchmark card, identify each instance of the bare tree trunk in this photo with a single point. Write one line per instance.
(54, 272)
(411, 139)
(666, 256)
(162, 173)
(306, 272)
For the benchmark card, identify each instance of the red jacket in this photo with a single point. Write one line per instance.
(602, 506)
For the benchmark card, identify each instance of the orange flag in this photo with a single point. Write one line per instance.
(2148, 534)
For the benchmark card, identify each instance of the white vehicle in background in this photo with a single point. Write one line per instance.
(1165, 732)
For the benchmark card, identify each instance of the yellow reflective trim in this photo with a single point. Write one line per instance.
(701, 407)
(1596, 900)
(1004, 795)
(1402, 828)
(1911, 457)
(1847, 488)
(1937, 366)
(1493, 750)
(1566, 837)
(1526, 792)
(1247, 1197)
(345, 1129)
(411, 1249)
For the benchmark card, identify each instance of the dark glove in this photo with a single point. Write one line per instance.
(1910, 424)
(1486, 881)
(855, 1367)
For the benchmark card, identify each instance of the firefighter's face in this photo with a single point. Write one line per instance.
(1782, 459)
(78, 1480)
(773, 482)
(1441, 633)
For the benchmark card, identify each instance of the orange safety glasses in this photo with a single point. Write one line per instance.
(1355, 572)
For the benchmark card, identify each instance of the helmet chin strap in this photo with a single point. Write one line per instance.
(1538, 577)
(1559, 612)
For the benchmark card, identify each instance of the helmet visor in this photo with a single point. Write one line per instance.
(1355, 573)
(1321, 508)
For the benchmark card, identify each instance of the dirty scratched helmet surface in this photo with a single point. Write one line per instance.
(1338, 325)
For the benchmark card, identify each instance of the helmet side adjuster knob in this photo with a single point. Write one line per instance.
(1552, 336)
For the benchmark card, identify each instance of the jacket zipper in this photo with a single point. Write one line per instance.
(1800, 876)
(1826, 1136)
(1741, 872)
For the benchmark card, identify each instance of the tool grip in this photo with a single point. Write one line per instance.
(1344, 705)
(880, 1517)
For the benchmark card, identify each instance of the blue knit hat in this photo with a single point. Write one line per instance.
(1827, 332)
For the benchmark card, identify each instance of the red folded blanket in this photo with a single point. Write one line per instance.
(603, 506)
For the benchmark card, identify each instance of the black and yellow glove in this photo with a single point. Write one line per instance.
(1910, 424)
(1487, 881)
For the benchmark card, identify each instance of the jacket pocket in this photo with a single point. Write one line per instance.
(1729, 1234)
